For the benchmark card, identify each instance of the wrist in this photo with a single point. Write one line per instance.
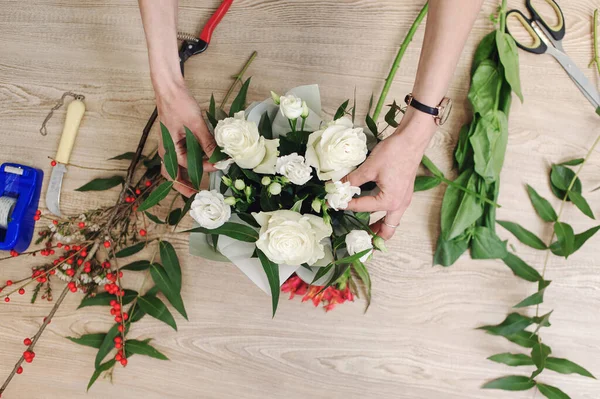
(167, 85)
(417, 127)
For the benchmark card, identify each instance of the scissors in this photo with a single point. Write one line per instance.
(548, 39)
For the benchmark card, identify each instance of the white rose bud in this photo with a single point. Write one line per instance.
(239, 184)
(339, 194)
(291, 106)
(336, 150)
(209, 209)
(316, 205)
(248, 191)
(275, 188)
(265, 181)
(275, 97)
(230, 201)
(358, 241)
(304, 110)
(294, 168)
(290, 238)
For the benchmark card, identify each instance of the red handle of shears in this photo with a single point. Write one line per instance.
(212, 23)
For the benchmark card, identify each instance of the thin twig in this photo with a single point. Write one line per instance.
(596, 58)
(238, 78)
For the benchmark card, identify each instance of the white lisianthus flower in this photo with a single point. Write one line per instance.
(240, 140)
(288, 237)
(209, 209)
(339, 194)
(358, 241)
(336, 150)
(294, 168)
(291, 106)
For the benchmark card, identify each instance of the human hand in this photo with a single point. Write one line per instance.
(178, 108)
(393, 165)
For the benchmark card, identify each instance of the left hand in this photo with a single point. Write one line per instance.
(393, 165)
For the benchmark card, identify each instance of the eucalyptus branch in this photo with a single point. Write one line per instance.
(238, 78)
(396, 64)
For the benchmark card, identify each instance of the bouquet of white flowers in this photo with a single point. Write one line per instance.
(277, 205)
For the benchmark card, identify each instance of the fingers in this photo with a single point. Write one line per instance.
(358, 177)
(181, 184)
(206, 140)
(385, 228)
(366, 204)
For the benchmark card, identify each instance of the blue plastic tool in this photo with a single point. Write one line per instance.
(20, 188)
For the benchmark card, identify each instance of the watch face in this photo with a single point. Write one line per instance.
(445, 109)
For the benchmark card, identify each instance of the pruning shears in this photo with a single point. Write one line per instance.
(547, 38)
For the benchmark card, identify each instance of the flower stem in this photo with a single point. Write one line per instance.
(238, 78)
(503, 17)
(396, 64)
(596, 58)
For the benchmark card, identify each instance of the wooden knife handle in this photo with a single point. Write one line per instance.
(75, 112)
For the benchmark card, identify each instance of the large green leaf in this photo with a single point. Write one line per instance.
(539, 354)
(512, 324)
(132, 250)
(484, 87)
(170, 157)
(168, 256)
(566, 237)
(523, 235)
(520, 268)
(236, 231)
(551, 392)
(272, 271)
(485, 50)
(580, 239)
(104, 298)
(512, 359)
(489, 145)
(137, 266)
(194, 158)
(265, 127)
(523, 338)
(364, 276)
(155, 219)
(107, 344)
(565, 366)
(560, 179)
(217, 155)
(487, 245)
(459, 209)
(99, 369)
(133, 346)
(581, 203)
(448, 251)
(573, 162)
(157, 195)
(91, 340)
(541, 205)
(424, 183)
(157, 309)
(239, 103)
(533, 299)
(509, 56)
(102, 184)
(168, 288)
(510, 383)
(341, 111)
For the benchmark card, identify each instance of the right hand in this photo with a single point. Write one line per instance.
(178, 108)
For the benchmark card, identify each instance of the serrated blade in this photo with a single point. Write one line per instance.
(53, 192)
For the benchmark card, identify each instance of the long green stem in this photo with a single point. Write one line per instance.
(396, 64)
(470, 192)
(238, 78)
(596, 59)
(503, 17)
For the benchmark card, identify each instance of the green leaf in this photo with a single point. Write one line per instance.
(523, 235)
(430, 166)
(132, 250)
(341, 111)
(509, 56)
(372, 126)
(459, 209)
(520, 268)
(363, 274)
(580, 239)
(168, 288)
(581, 203)
(566, 237)
(170, 157)
(272, 271)
(137, 266)
(485, 50)
(484, 87)
(168, 256)
(423, 183)
(487, 245)
(155, 219)
(107, 344)
(573, 162)
(463, 153)
(194, 158)
(542, 206)
(157, 309)
(489, 145)
(448, 252)
(542, 321)
(551, 392)
(265, 127)
(236, 231)
(104, 298)
(513, 323)
(523, 338)
(531, 300)
(512, 359)
(246, 217)
(156, 196)
(390, 116)
(510, 383)
(124, 156)
(134, 346)
(565, 366)
(322, 272)
(102, 184)
(99, 369)
(217, 155)
(560, 179)
(239, 103)
(212, 106)
(174, 217)
(350, 259)
(91, 340)
(539, 354)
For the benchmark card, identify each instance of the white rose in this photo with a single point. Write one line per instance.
(209, 209)
(291, 106)
(339, 194)
(358, 241)
(294, 168)
(288, 237)
(336, 150)
(240, 140)
(223, 164)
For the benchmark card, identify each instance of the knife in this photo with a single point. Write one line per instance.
(75, 112)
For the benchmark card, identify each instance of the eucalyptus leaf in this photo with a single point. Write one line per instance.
(239, 102)
(539, 354)
(194, 158)
(390, 116)
(520, 268)
(512, 359)
(169, 289)
(157, 309)
(565, 366)
(523, 235)
(102, 184)
(272, 271)
(371, 125)
(170, 156)
(541, 206)
(156, 196)
(533, 299)
(174, 216)
(513, 323)
(581, 203)
(510, 383)
(566, 237)
(168, 256)
(137, 266)
(580, 239)
(132, 250)
(551, 392)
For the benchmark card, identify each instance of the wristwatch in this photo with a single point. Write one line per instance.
(440, 113)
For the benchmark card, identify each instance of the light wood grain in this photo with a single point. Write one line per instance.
(418, 339)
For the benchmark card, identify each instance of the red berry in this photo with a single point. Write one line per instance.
(123, 362)
(9, 282)
(70, 272)
(21, 291)
(36, 217)
(117, 307)
(121, 328)
(138, 191)
(69, 261)
(106, 265)
(79, 262)
(106, 244)
(148, 183)
(38, 212)
(51, 252)
(118, 357)
(7, 299)
(143, 232)
(83, 253)
(81, 225)
(118, 319)
(20, 369)
(52, 272)
(27, 341)
(125, 316)
(120, 274)
(55, 222)
(53, 163)
(73, 289)
(67, 247)
(59, 245)
(118, 345)
(118, 340)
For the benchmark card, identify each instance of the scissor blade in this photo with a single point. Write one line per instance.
(53, 192)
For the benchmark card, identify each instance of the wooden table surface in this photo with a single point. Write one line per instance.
(418, 339)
